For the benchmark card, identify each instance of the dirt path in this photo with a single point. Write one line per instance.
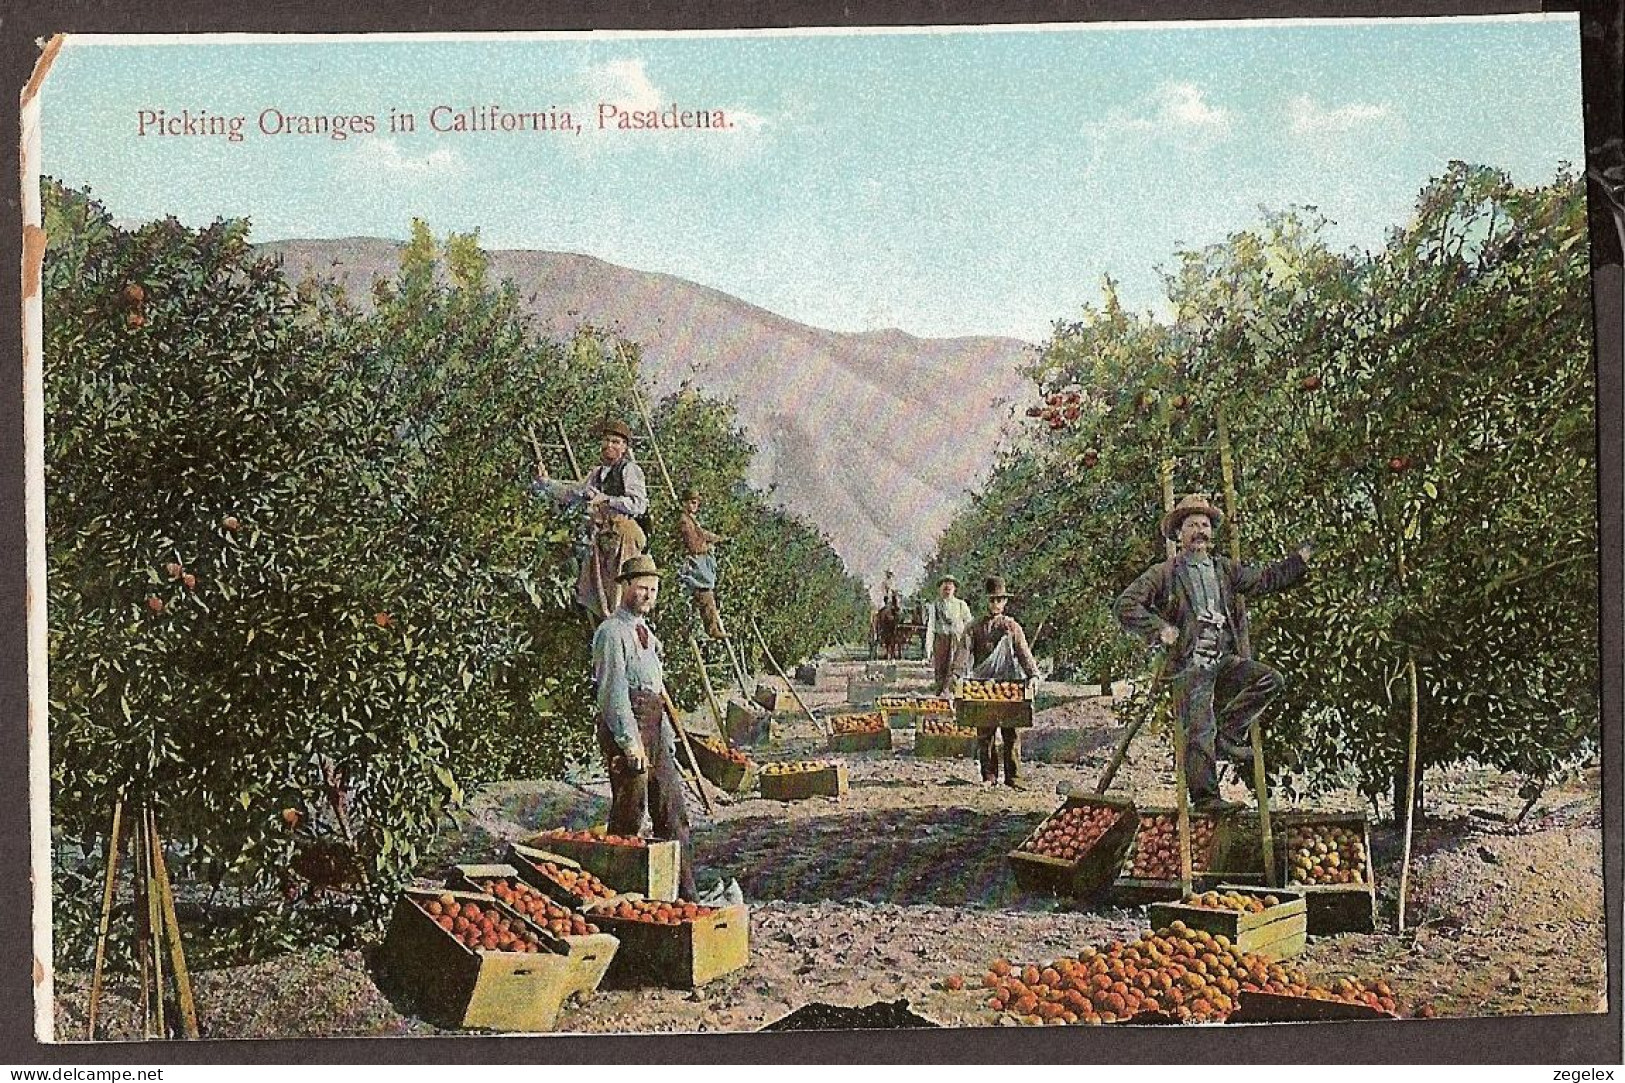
(881, 894)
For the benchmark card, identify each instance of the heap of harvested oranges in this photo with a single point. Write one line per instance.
(566, 835)
(939, 728)
(479, 928)
(1231, 900)
(721, 748)
(541, 910)
(578, 882)
(655, 912)
(1189, 975)
(1071, 832)
(869, 722)
(1155, 852)
(797, 767)
(992, 691)
(1325, 854)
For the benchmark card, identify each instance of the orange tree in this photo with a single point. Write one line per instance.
(1427, 406)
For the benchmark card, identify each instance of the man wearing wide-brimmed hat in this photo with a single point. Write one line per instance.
(946, 622)
(636, 738)
(999, 652)
(1193, 604)
(616, 496)
(698, 571)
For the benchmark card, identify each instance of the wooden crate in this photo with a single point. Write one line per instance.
(830, 782)
(944, 746)
(590, 953)
(650, 870)
(901, 717)
(747, 725)
(460, 987)
(766, 698)
(525, 859)
(1086, 876)
(983, 714)
(1137, 891)
(677, 956)
(1277, 932)
(1280, 1008)
(860, 742)
(1333, 908)
(725, 774)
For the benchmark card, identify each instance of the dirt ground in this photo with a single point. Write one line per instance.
(881, 894)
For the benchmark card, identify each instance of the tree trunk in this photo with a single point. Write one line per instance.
(1418, 812)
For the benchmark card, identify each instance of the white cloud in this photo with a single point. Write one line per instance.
(624, 83)
(379, 155)
(1179, 108)
(1307, 118)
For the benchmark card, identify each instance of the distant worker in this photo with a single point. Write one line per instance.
(616, 496)
(947, 621)
(999, 652)
(1193, 605)
(884, 630)
(637, 740)
(698, 572)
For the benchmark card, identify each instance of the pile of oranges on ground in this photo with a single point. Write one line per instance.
(1072, 832)
(1155, 854)
(654, 912)
(541, 910)
(869, 722)
(1185, 974)
(480, 928)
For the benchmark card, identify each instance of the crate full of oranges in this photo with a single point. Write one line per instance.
(729, 769)
(1271, 922)
(944, 738)
(626, 863)
(980, 704)
(865, 732)
(1327, 856)
(1076, 851)
(590, 947)
(675, 945)
(1151, 870)
(797, 780)
(470, 962)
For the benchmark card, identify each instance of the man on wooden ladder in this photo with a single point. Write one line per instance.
(616, 496)
(1192, 603)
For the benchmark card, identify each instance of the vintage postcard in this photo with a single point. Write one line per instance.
(1064, 525)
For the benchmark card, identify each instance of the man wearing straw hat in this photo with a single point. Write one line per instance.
(616, 496)
(636, 738)
(1193, 605)
(946, 623)
(999, 652)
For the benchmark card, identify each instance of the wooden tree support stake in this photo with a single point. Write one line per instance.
(1410, 789)
(172, 932)
(762, 641)
(115, 847)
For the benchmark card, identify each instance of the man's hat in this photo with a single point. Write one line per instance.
(947, 579)
(995, 587)
(690, 494)
(641, 566)
(616, 428)
(1194, 504)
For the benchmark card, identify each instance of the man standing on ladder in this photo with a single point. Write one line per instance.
(946, 624)
(999, 652)
(638, 742)
(698, 571)
(616, 496)
(1192, 604)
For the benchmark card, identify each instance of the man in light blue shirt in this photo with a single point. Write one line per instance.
(636, 738)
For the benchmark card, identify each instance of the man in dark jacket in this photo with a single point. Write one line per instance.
(999, 652)
(1193, 604)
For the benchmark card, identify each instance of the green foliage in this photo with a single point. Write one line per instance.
(294, 562)
(1423, 413)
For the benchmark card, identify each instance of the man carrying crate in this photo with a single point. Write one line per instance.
(638, 743)
(999, 652)
(1193, 604)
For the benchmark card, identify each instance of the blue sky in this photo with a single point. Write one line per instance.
(942, 183)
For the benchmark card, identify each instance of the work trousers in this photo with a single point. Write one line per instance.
(943, 656)
(1010, 738)
(656, 791)
(1244, 687)
(706, 601)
